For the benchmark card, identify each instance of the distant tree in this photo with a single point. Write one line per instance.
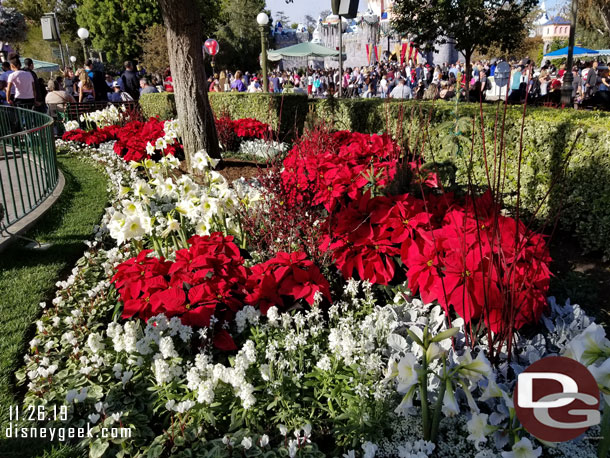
(593, 28)
(471, 24)
(12, 25)
(595, 14)
(116, 25)
(33, 10)
(280, 16)
(325, 13)
(311, 23)
(184, 43)
(238, 34)
(154, 48)
(294, 25)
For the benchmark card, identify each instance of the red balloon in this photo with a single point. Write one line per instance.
(211, 46)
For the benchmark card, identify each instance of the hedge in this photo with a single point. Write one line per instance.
(580, 197)
(286, 111)
(162, 105)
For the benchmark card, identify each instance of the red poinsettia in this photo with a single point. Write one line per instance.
(288, 275)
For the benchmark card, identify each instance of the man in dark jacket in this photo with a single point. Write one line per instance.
(98, 80)
(130, 82)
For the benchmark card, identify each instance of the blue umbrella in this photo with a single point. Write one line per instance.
(578, 52)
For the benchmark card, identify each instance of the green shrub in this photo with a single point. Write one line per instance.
(162, 104)
(286, 111)
(581, 197)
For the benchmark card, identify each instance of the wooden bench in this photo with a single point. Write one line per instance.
(73, 111)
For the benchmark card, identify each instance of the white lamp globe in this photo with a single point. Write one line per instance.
(332, 18)
(262, 19)
(72, 59)
(82, 33)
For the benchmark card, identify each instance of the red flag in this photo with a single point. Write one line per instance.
(410, 50)
(368, 53)
(376, 54)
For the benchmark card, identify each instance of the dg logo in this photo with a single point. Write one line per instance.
(557, 399)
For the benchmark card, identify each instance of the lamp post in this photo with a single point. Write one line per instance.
(568, 77)
(73, 60)
(262, 19)
(332, 18)
(83, 34)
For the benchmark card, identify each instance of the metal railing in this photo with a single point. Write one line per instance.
(28, 165)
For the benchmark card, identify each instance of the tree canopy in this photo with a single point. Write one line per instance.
(116, 25)
(33, 10)
(12, 25)
(470, 24)
(238, 34)
(593, 28)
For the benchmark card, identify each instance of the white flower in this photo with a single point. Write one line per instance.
(264, 440)
(370, 449)
(293, 448)
(602, 376)
(588, 346)
(523, 449)
(450, 406)
(93, 418)
(475, 369)
(350, 454)
(478, 428)
(246, 443)
(324, 363)
(283, 430)
(407, 372)
(150, 149)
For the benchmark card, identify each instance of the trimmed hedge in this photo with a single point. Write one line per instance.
(161, 104)
(581, 197)
(287, 111)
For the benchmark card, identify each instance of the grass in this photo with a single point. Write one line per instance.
(28, 277)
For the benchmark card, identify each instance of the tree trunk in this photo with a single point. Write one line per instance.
(185, 48)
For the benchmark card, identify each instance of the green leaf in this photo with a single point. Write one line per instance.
(98, 448)
(445, 334)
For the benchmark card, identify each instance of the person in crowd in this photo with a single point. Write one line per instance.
(275, 84)
(168, 81)
(86, 90)
(129, 81)
(41, 91)
(57, 98)
(109, 80)
(591, 80)
(6, 71)
(98, 80)
(70, 81)
(238, 85)
(254, 86)
(118, 95)
(576, 85)
(146, 87)
(401, 91)
(23, 84)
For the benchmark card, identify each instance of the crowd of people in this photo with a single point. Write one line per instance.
(384, 80)
(422, 81)
(20, 85)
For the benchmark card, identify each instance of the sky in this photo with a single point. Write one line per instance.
(297, 10)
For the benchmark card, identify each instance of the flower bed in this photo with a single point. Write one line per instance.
(208, 327)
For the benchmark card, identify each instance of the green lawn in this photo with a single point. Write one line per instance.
(28, 277)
